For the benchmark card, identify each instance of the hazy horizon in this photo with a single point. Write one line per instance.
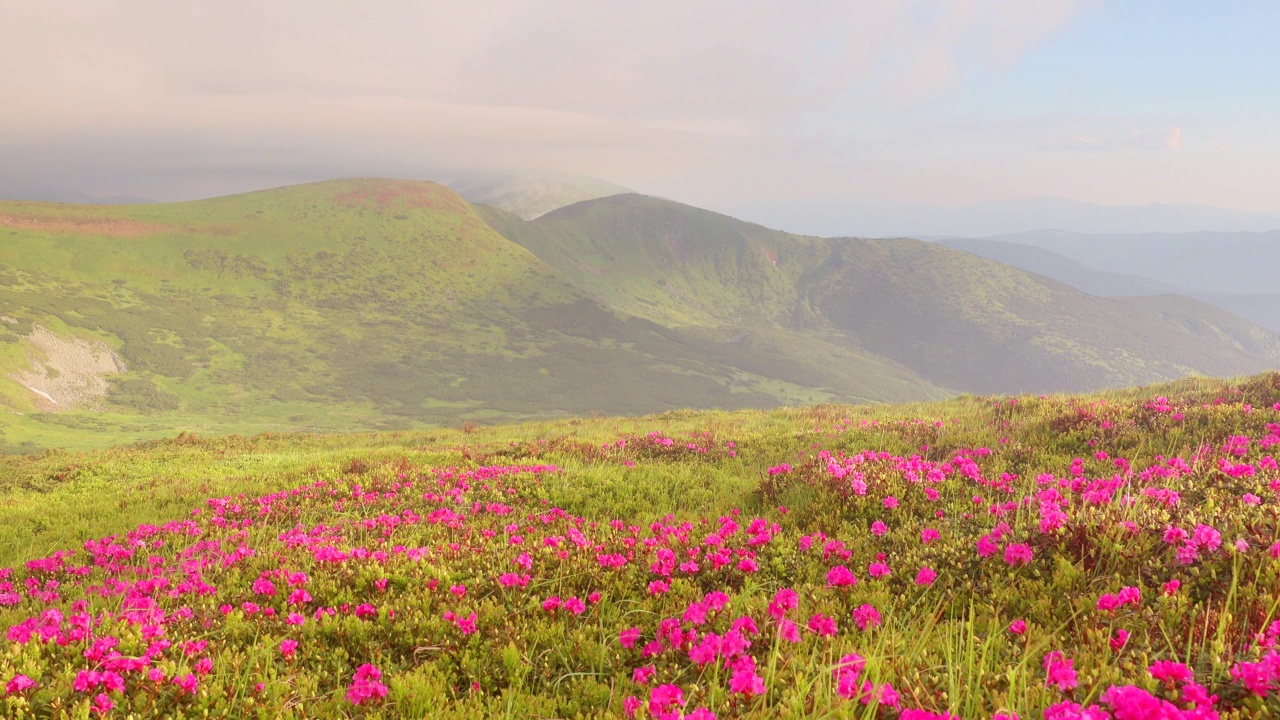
(760, 111)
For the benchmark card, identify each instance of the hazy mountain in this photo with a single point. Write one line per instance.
(1063, 269)
(1203, 262)
(529, 195)
(67, 195)
(960, 321)
(1201, 265)
(878, 218)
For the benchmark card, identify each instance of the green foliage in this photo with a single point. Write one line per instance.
(142, 395)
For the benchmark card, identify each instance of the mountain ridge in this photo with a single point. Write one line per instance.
(382, 304)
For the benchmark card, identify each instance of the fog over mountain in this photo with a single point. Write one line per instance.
(881, 218)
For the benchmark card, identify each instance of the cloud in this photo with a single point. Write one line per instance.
(1149, 139)
(552, 72)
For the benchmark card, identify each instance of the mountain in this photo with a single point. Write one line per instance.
(879, 218)
(529, 195)
(67, 195)
(392, 304)
(958, 320)
(1233, 270)
(1061, 268)
(342, 304)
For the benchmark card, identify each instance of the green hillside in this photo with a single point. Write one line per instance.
(356, 303)
(384, 304)
(960, 321)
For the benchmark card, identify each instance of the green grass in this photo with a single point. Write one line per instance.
(944, 647)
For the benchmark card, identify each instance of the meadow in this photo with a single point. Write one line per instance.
(1106, 556)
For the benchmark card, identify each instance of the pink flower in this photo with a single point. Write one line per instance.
(458, 590)
(879, 529)
(744, 680)
(627, 638)
(204, 666)
(866, 616)
(551, 603)
(664, 697)
(466, 625)
(841, 576)
(102, 704)
(928, 535)
(186, 683)
(926, 576)
(1171, 673)
(18, 683)
(288, 646)
(1118, 642)
(1018, 627)
(1018, 554)
(822, 626)
(890, 502)
(987, 547)
(788, 631)
(641, 675)
(878, 570)
(706, 650)
(366, 685)
(1059, 671)
(630, 704)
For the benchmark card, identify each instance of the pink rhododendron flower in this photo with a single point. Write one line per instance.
(627, 638)
(1018, 554)
(926, 576)
(1170, 673)
(822, 626)
(866, 616)
(366, 685)
(1059, 671)
(18, 683)
(841, 576)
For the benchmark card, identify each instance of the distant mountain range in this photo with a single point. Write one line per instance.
(388, 303)
(67, 195)
(1235, 271)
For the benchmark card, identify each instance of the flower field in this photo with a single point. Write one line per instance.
(1093, 557)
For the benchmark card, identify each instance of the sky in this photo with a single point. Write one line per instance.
(716, 103)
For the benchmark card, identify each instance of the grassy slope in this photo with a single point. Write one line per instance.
(342, 305)
(943, 647)
(958, 320)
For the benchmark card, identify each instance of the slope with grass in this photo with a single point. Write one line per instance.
(960, 321)
(1112, 556)
(364, 303)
